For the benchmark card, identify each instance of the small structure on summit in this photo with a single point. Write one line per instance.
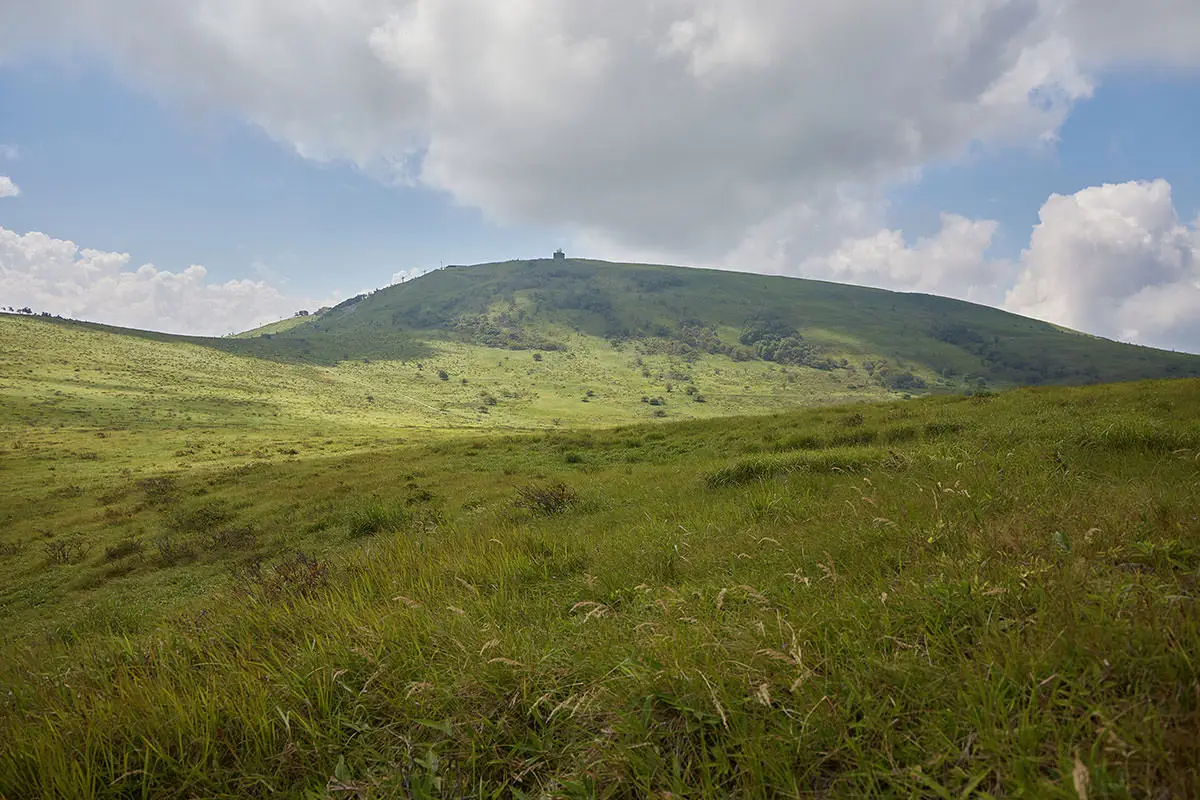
(559, 255)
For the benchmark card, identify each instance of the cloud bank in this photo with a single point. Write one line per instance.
(59, 277)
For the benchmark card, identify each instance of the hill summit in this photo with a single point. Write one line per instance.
(891, 340)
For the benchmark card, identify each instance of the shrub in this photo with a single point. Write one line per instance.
(443, 375)
(553, 498)
(200, 520)
(239, 538)
(65, 551)
(537, 356)
(936, 429)
(158, 490)
(372, 518)
(12, 548)
(298, 575)
(903, 380)
(122, 549)
(754, 469)
(172, 551)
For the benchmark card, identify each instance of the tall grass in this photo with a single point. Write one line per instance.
(997, 608)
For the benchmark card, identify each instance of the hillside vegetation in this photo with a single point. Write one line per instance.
(945, 597)
(856, 336)
(575, 529)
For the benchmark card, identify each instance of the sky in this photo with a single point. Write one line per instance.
(207, 166)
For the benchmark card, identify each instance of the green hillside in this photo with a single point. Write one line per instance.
(986, 596)
(576, 530)
(858, 335)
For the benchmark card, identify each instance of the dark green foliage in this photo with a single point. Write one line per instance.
(754, 469)
(298, 575)
(65, 550)
(236, 538)
(123, 549)
(767, 329)
(677, 312)
(160, 490)
(774, 339)
(173, 550)
(376, 516)
(549, 498)
(200, 519)
(903, 381)
(501, 330)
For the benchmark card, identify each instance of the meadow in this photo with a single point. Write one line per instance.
(226, 584)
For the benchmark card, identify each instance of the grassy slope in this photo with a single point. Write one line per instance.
(274, 327)
(622, 300)
(930, 598)
(86, 408)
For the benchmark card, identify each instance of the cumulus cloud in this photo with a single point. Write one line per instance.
(403, 275)
(676, 125)
(679, 126)
(59, 277)
(1161, 32)
(8, 188)
(1117, 261)
(1112, 260)
(950, 263)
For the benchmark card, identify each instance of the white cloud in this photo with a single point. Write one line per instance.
(408, 274)
(678, 125)
(1105, 32)
(1114, 260)
(57, 276)
(8, 188)
(951, 263)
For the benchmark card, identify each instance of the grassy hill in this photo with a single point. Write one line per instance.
(539, 529)
(952, 596)
(857, 335)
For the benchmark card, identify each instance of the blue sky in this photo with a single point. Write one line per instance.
(105, 163)
(114, 167)
(301, 152)
(1139, 125)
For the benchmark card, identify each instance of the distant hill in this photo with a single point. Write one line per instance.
(897, 341)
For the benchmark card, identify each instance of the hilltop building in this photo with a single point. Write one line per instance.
(559, 255)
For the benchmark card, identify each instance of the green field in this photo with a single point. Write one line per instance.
(424, 545)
